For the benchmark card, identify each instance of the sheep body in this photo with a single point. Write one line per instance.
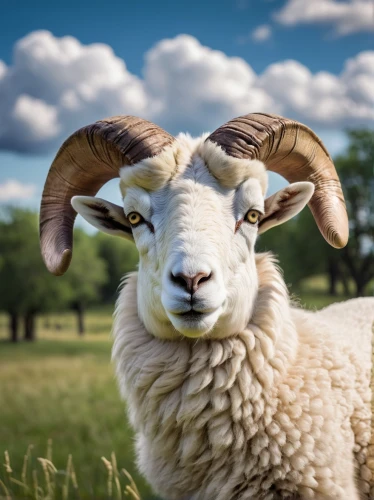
(278, 411)
(268, 402)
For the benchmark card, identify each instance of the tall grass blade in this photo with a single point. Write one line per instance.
(25, 462)
(65, 487)
(116, 476)
(7, 466)
(5, 489)
(132, 488)
(109, 469)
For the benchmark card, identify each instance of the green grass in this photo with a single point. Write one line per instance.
(41, 480)
(64, 390)
(62, 387)
(312, 293)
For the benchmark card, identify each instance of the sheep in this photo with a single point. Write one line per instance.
(232, 391)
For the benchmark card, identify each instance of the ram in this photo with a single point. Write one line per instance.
(233, 393)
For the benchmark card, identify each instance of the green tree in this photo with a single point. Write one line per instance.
(356, 172)
(26, 288)
(85, 276)
(121, 257)
(300, 247)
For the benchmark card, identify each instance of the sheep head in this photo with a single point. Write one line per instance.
(194, 208)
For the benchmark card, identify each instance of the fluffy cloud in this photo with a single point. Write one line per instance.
(197, 87)
(14, 190)
(324, 99)
(3, 69)
(56, 85)
(346, 17)
(261, 33)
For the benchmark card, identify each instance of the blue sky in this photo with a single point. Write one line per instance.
(312, 61)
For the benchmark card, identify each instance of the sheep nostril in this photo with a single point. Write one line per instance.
(199, 279)
(203, 277)
(180, 280)
(190, 283)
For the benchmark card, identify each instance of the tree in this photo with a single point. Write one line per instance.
(86, 274)
(299, 246)
(302, 250)
(121, 257)
(356, 173)
(26, 288)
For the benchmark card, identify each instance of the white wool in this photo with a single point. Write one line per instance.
(152, 173)
(280, 410)
(228, 170)
(194, 219)
(233, 393)
(350, 323)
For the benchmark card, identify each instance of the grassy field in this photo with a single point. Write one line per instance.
(312, 294)
(62, 388)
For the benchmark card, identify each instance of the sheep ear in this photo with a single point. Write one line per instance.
(285, 204)
(103, 215)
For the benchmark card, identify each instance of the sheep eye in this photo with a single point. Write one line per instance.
(135, 218)
(252, 216)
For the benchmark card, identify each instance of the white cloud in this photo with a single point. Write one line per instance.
(14, 190)
(3, 69)
(56, 85)
(345, 17)
(261, 33)
(322, 98)
(196, 88)
(36, 118)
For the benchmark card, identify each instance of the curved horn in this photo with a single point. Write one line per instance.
(292, 150)
(86, 161)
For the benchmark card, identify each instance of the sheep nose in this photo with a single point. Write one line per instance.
(190, 283)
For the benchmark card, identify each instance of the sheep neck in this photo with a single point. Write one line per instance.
(195, 403)
(151, 368)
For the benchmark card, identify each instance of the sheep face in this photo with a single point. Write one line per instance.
(195, 229)
(196, 271)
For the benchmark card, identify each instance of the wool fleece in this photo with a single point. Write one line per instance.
(280, 410)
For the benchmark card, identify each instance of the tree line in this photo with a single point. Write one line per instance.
(100, 261)
(302, 250)
(26, 287)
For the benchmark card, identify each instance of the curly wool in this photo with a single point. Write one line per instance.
(278, 411)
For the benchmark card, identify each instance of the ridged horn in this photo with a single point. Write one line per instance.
(85, 162)
(292, 150)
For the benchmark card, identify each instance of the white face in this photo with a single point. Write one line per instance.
(197, 274)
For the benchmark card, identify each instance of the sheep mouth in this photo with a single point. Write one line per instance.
(192, 314)
(194, 323)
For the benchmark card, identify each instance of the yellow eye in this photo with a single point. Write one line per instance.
(252, 216)
(135, 218)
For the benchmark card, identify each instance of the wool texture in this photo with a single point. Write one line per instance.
(280, 410)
